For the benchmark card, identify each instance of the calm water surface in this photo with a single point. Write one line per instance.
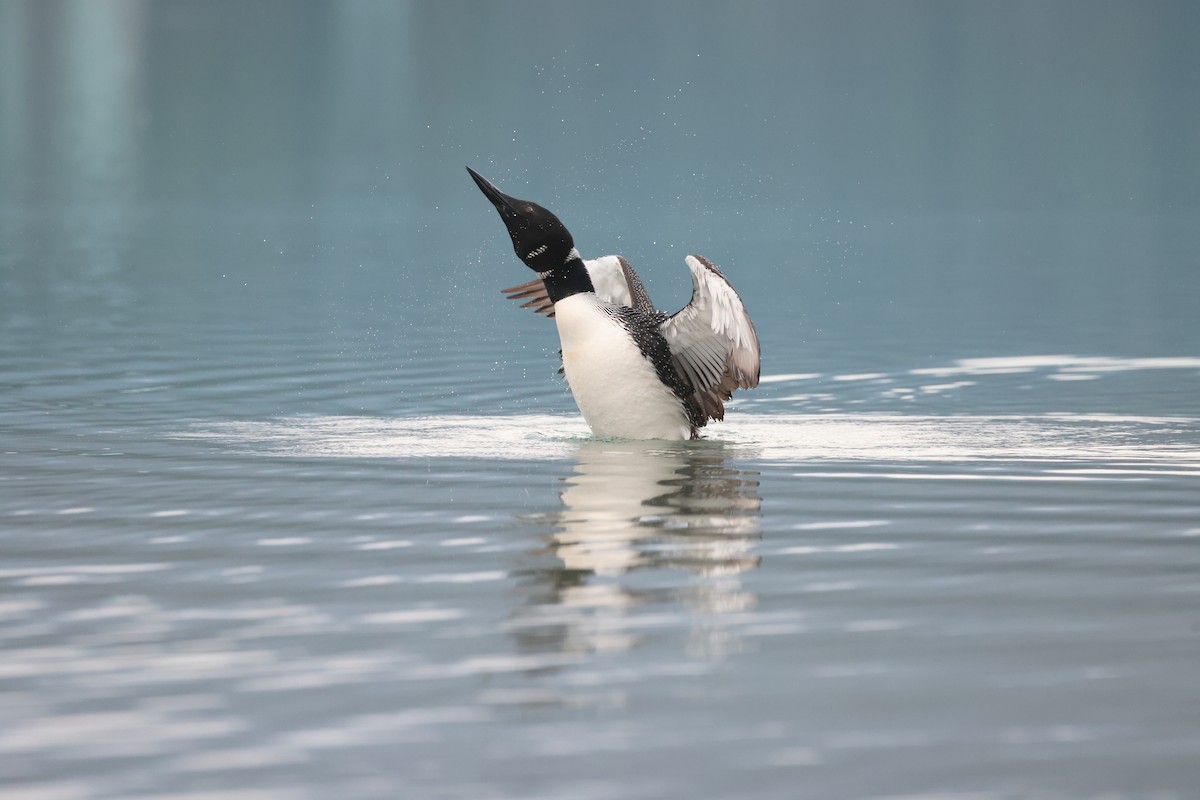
(293, 504)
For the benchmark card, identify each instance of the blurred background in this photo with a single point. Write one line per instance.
(293, 503)
(888, 184)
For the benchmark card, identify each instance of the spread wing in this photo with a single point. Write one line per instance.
(713, 342)
(612, 276)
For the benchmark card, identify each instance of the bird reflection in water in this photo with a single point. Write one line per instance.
(652, 538)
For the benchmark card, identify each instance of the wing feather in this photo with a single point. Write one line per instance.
(713, 341)
(535, 291)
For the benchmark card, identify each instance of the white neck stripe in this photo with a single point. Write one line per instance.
(573, 255)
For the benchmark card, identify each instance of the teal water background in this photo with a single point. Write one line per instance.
(293, 503)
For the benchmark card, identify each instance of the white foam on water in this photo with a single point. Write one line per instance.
(1130, 441)
(1064, 363)
(1102, 440)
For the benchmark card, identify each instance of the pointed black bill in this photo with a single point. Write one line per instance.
(500, 200)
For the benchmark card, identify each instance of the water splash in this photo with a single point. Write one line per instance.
(1165, 442)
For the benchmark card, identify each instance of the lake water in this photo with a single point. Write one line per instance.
(294, 505)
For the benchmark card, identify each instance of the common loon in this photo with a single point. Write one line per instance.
(635, 372)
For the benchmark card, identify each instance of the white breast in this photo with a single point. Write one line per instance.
(615, 386)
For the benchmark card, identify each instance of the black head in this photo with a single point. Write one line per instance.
(538, 238)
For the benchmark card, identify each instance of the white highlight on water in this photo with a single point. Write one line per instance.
(1126, 442)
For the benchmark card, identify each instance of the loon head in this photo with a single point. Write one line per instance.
(538, 238)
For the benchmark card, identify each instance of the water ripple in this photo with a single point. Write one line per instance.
(1136, 443)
